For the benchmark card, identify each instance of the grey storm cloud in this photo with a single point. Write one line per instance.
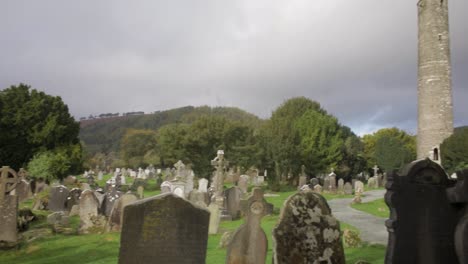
(357, 58)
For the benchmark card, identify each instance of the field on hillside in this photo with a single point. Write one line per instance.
(104, 248)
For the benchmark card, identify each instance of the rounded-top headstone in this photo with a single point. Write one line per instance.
(307, 232)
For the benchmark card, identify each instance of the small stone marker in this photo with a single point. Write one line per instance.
(359, 185)
(89, 205)
(318, 188)
(166, 187)
(141, 192)
(314, 181)
(58, 198)
(341, 186)
(372, 183)
(422, 224)
(243, 183)
(307, 232)
(109, 201)
(164, 229)
(199, 198)
(23, 191)
(249, 243)
(203, 185)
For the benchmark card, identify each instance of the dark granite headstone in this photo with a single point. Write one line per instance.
(58, 198)
(313, 182)
(422, 220)
(233, 196)
(458, 196)
(73, 198)
(307, 232)
(164, 229)
(109, 200)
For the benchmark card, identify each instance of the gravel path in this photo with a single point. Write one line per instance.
(372, 228)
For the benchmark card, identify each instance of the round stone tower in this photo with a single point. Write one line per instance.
(435, 114)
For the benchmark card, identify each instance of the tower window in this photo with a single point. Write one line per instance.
(435, 154)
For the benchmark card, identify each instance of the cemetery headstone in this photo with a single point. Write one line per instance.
(199, 198)
(23, 191)
(243, 183)
(348, 189)
(140, 192)
(307, 232)
(372, 183)
(166, 187)
(314, 181)
(116, 216)
(359, 185)
(341, 186)
(326, 184)
(58, 198)
(215, 217)
(422, 224)
(8, 206)
(249, 243)
(73, 198)
(233, 198)
(203, 185)
(458, 196)
(89, 205)
(164, 229)
(110, 198)
(318, 188)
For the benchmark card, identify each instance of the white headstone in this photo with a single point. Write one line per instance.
(203, 185)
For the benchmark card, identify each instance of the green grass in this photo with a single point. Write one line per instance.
(377, 208)
(104, 248)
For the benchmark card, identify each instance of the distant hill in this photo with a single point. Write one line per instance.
(104, 134)
(460, 129)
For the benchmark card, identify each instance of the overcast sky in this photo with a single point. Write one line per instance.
(357, 58)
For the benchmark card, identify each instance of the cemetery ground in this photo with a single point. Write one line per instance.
(43, 246)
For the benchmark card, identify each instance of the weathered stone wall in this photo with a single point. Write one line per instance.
(435, 114)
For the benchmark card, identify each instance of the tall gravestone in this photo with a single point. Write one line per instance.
(307, 232)
(249, 243)
(8, 206)
(458, 196)
(422, 220)
(89, 205)
(233, 198)
(203, 185)
(243, 183)
(164, 229)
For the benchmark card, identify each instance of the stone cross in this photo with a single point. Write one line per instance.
(249, 243)
(220, 164)
(179, 166)
(7, 183)
(376, 169)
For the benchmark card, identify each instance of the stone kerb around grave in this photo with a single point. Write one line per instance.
(422, 220)
(164, 229)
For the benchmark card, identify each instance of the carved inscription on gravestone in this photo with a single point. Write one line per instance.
(164, 229)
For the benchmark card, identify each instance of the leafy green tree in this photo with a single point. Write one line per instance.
(135, 144)
(454, 151)
(32, 122)
(49, 165)
(389, 148)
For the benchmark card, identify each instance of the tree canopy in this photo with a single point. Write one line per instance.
(454, 151)
(32, 122)
(389, 148)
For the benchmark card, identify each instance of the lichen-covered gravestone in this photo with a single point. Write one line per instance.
(88, 210)
(58, 198)
(249, 243)
(307, 232)
(164, 229)
(348, 189)
(422, 219)
(8, 206)
(73, 198)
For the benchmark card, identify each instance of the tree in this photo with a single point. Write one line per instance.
(454, 151)
(49, 165)
(389, 148)
(32, 122)
(135, 144)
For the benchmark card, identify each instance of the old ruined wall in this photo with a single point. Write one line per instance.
(435, 114)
